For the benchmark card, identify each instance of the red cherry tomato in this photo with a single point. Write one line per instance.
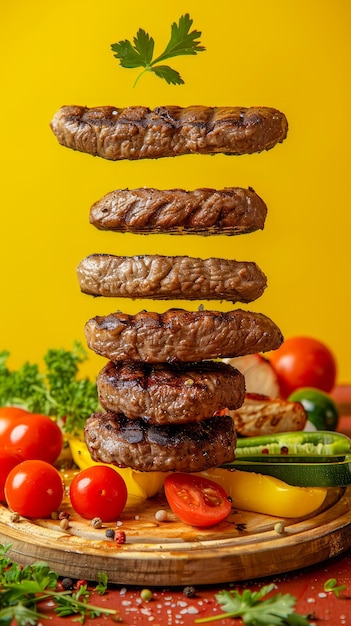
(34, 489)
(8, 460)
(98, 491)
(303, 362)
(8, 416)
(34, 436)
(196, 500)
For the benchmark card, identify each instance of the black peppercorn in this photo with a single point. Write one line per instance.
(189, 592)
(67, 584)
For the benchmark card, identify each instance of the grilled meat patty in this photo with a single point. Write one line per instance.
(229, 211)
(193, 447)
(137, 132)
(170, 393)
(170, 277)
(179, 335)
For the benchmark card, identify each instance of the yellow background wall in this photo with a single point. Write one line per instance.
(292, 55)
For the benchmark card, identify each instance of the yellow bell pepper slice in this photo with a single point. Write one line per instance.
(140, 485)
(265, 494)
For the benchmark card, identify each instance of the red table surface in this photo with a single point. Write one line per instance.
(171, 607)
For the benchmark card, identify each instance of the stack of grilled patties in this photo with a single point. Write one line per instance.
(163, 388)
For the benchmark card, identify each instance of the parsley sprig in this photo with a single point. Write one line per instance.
(181, 43)
(278, 610)
(55, 391)
(22, 589)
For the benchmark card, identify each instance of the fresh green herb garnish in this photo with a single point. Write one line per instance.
(277, 610)
(102, 583)
(21, 589)
(332, 585)
(181, 43)
(56, 391)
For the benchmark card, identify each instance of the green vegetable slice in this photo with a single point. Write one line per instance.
(292, 458)
(330, 474)
(292, 444)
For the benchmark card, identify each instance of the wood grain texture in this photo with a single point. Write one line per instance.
(244, 546)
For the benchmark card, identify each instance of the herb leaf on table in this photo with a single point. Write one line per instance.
(254, 610)
(22, 589)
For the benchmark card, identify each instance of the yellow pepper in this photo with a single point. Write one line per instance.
(265, 494)
(140, 485)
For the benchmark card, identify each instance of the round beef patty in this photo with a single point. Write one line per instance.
(170, 393)
(192, 447)
(179, 335)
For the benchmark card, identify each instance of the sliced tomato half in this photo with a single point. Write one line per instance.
(195, 500)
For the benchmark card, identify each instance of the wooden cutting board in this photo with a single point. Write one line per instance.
(244, 546)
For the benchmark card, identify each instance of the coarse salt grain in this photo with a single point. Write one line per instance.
(192, 610)
(145, 612)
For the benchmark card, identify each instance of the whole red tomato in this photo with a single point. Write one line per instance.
(303, 362)
(33, 436)
(34, 489)
(8, 416)
(98, 491)
(8, 460)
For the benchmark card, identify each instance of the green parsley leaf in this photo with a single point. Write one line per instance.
(277, 610)
(172, 77)
(102, 583)
(182, 42)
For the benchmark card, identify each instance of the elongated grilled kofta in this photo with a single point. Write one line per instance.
(170, 277)
(228, 211)
(137, 132)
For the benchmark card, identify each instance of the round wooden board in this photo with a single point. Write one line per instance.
(244, 546)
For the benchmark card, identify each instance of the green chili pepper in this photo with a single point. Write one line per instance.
(294, 444)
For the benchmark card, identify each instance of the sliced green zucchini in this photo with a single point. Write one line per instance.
(328, 474)
(291, 458)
